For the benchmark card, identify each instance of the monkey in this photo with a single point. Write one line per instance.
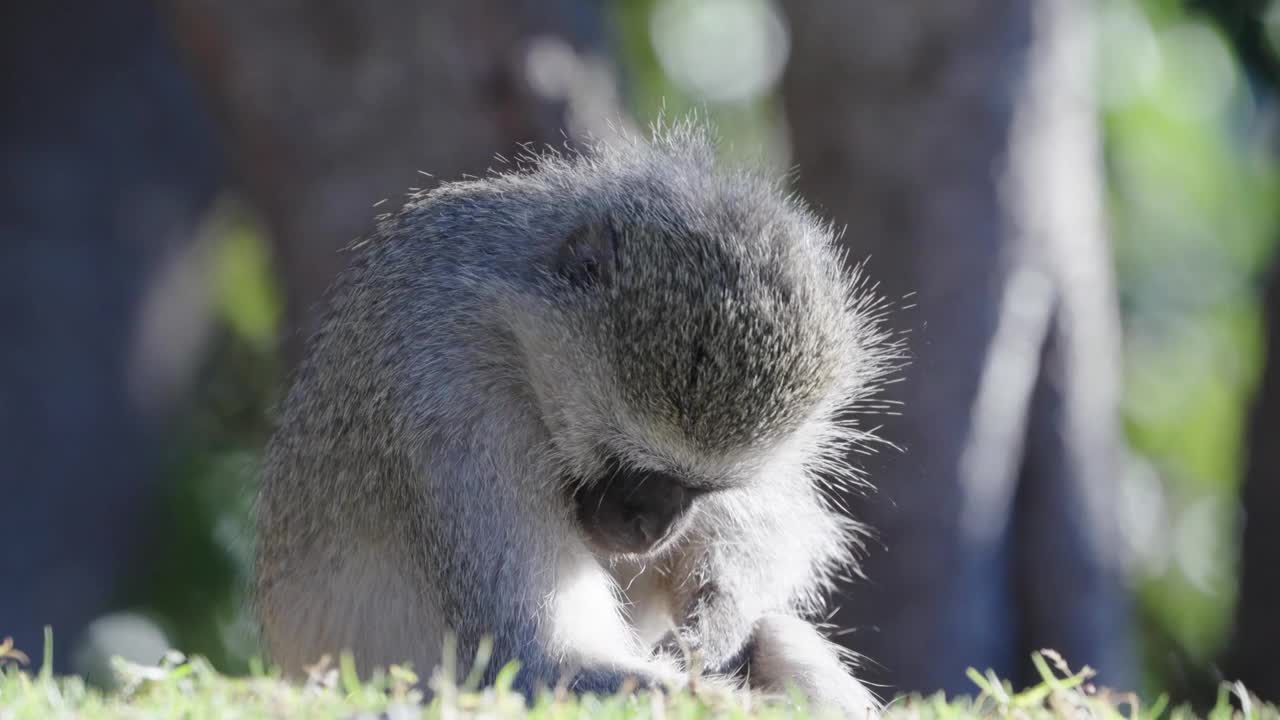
(592, 409)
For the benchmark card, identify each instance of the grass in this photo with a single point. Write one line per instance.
(190, 688)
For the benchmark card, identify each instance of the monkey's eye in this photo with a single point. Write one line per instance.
(588, 257)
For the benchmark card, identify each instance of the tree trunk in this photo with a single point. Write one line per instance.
(333, 107)
(957, 142)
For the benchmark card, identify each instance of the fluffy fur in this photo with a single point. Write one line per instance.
(484, 348)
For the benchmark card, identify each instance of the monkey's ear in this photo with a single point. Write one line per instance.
(589, 256)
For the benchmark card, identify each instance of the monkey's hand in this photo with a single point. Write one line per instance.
(788, 653)
(713, 635)
(611, 681)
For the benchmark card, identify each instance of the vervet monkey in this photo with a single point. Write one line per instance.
(589, 409)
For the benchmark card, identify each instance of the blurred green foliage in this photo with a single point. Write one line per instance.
(1193, 186)
(1192, 182)
(196, 579)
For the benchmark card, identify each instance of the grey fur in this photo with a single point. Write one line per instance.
(485, 346)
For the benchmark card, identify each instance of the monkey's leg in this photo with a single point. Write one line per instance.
(788, 653)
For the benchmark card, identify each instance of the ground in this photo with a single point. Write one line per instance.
(180, 687)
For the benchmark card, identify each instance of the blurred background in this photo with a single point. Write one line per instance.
(1073, 205)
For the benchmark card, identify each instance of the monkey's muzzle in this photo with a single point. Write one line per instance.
(633, 511)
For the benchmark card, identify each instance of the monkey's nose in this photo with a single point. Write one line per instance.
(647, 531)
(647, 525)
(650, 525)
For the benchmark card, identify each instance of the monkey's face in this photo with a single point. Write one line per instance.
(633, 511)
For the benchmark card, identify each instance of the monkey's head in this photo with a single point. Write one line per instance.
(694, 330)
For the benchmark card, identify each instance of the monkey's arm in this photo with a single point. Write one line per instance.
(509, 566)
(768, 551)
